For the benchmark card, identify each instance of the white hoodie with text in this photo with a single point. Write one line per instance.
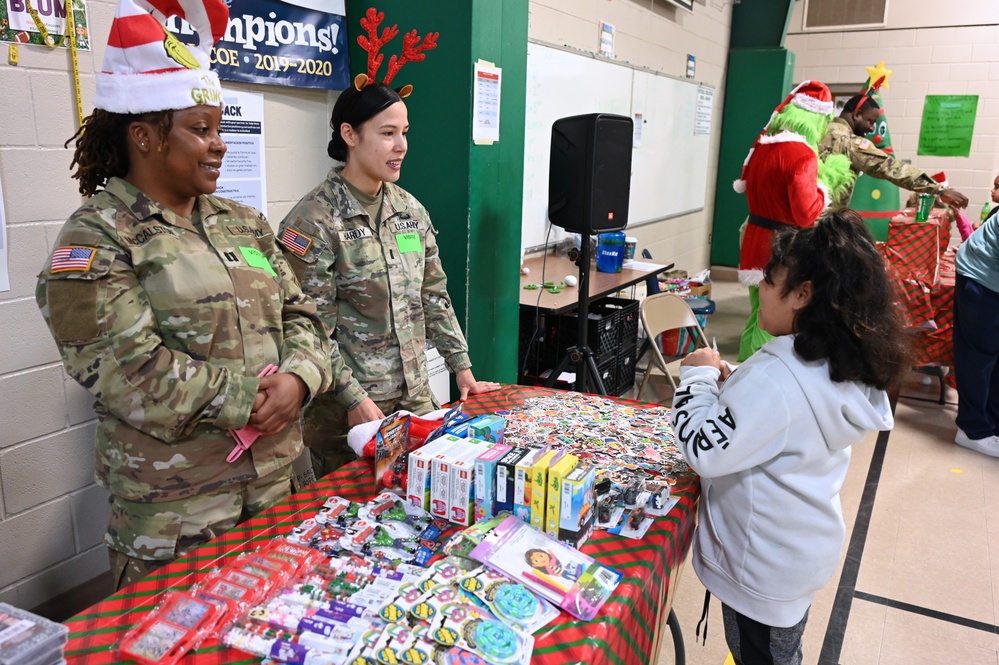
(772, 446)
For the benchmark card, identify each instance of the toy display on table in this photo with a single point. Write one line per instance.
(623, 441)
(563, 575)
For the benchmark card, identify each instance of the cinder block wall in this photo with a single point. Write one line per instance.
(52, 514)
(933, 48)
(659, 39)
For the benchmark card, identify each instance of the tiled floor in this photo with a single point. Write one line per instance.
(916, 586)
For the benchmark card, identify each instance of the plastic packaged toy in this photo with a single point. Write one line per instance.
(176, 626)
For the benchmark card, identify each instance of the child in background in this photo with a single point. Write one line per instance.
(976, 337)
(771, 440)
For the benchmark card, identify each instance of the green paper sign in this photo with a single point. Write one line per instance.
(948, 125)
(256, 259)
(409, 242)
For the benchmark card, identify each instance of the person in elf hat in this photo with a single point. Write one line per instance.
(167, 302)
(785, 186)
(366, 250)
(845, 136)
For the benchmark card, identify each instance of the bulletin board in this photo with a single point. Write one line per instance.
(669, 165)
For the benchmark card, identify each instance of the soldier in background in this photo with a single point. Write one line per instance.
(366, 251)
(167, 302)
(845, 136)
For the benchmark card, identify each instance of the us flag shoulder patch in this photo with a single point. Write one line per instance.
(296, 242)
(72, 257)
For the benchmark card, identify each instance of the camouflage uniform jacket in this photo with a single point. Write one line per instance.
(380, 289)
(167, 325)
(866, 158)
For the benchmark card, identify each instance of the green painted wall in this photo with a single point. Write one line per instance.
(473, 193)
(760, 74)
(757, 81)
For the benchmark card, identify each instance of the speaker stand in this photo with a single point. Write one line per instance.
(581, 356)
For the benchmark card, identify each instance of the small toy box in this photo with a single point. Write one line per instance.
(556, 475)
(461, 495)
(488, 428)
(539, 487)
(506, 475)
(485, 480)
(522, 484)
(440, 474)
(577, 512)
(419, 473)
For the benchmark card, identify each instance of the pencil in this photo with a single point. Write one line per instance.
(714, 344)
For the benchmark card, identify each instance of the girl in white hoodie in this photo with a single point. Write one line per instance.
(771, 440)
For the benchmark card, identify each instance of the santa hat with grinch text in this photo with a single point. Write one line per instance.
(812, 96)
(147, 69)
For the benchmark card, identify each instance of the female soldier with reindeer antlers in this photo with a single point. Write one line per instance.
(366, 250)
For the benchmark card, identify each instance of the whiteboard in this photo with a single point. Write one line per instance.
(669, 168)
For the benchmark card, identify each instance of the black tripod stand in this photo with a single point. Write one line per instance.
(580, 355)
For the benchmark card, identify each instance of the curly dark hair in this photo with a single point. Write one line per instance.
(101, 148)
(853, 318)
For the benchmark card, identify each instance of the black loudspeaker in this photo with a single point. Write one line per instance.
(589, 180)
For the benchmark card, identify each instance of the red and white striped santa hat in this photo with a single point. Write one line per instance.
(811, 96)
(147, 69)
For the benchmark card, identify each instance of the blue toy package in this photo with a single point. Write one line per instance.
(577, 512)
(488, 428)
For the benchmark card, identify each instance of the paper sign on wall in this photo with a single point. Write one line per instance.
(948, 125)
(486, 102)
(244, 173)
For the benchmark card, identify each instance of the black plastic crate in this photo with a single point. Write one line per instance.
(608, 374)
(602, 334)
(625, 376)
(627, 319)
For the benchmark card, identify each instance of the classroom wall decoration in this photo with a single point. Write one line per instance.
(948, 125)
(297, 43)
(670, 159)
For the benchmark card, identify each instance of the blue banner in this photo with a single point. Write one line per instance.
(297, 43)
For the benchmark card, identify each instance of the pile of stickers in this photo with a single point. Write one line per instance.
(626, 443)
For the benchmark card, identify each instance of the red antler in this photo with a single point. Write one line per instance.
(372, 43)
(412, 51)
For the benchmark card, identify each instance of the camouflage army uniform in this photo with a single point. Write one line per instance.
(167, 323)
(381, 292)
(866, 158)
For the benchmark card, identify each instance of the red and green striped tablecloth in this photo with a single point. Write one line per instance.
(624, 632)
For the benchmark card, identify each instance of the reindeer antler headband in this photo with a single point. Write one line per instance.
(413, 48)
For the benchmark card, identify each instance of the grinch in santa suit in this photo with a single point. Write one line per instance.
(786, 186)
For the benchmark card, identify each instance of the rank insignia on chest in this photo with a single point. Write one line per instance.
(72, 258)
(296, 242)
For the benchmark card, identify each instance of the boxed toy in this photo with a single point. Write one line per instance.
(440, 474)
(488, 428)
(577, 512)
(522, 484)
(539, 486)
(458, 425)
(461, 495)
(556, 474)
(485, 481)
(506, 474)
(418, 476)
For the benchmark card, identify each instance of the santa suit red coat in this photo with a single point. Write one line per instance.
(780, 185)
